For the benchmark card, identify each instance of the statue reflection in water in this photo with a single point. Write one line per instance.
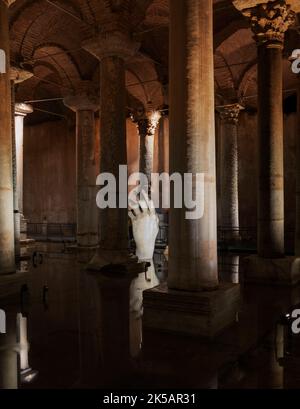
(27, 374)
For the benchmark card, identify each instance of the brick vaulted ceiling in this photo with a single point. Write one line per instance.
(47, 35)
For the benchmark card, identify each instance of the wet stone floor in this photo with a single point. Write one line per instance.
(62, 333)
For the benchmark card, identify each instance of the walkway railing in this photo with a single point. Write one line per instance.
(67, 232)
(51, 231)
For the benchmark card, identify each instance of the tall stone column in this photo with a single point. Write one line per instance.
(147, 126)
(21, 111)
(112, 48)
(297, 231)
(192, 243)
(9, 353)
(85, 102)
(269, 22)
(186, 305)
(229, 115)
(113, 266)
(297, 143)
(17, 76)
(7, 253)
(17, 226)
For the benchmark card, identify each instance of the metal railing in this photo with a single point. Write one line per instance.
(51, 231)
(226, 236)
(247, 237)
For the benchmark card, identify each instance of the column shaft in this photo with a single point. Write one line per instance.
(229, 167)
(161, 146)
(113, 222)
(146, 154)
(270, 152)
(17, 221)
(147, 127)
(7, 256)
(297, 232)
(19, 138)
(87, 214)
(229, 176)
(193, 243)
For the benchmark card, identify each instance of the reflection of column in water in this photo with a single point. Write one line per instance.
(8, 354)
(27, 373)
(269, 371)
(143, 282)
(230, 268)
(24, 346)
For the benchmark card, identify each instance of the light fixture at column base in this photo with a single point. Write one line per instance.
(205, 314)
(278, 271)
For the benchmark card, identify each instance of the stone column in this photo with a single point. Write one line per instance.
(85, 102)
(112, 48)
(269, 22)
(17, 76)
(193, 263)
(113, 266)
(21, 111)
(193, 243)
(229, 115)
(9, 353)
(17, 225)
(147, 126)
(7, 252)
(297, 228)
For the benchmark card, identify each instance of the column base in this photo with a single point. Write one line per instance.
(73, 248)
(280, 271)
(204, 314)
(87, 240)
(104, 258)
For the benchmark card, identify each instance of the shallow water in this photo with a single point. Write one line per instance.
(78, 335)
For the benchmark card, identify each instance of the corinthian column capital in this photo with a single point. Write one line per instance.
(230, 113)
(147, 122)
(269, 19)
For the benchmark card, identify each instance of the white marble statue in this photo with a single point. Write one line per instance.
(145, 225)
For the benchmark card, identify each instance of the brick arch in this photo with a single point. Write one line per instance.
(247, 78)
(61, 59)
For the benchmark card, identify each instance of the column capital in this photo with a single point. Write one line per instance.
(146, 122)
(84, 98)
(230, 113)
(18, 74)
(22, 109)
(269, 20)
(112, 43)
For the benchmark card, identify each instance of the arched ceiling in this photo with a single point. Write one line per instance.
(47, 35)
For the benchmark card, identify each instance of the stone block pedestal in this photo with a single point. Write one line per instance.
(204, 314)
